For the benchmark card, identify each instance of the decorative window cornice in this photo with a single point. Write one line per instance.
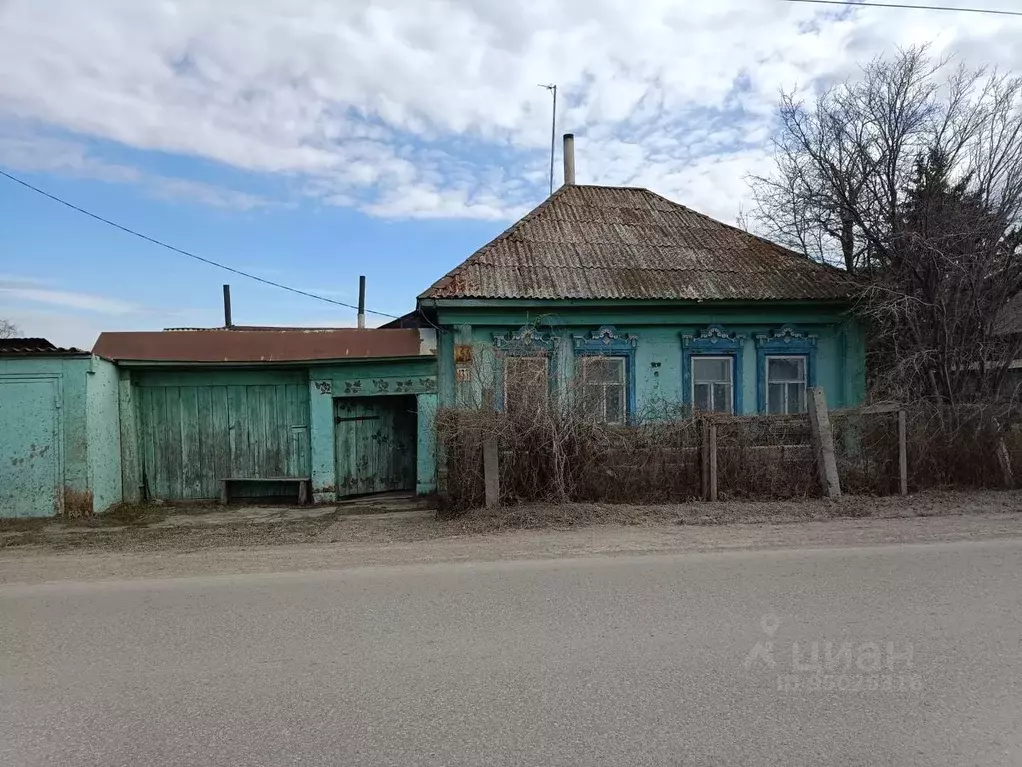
(605, 340)
(785, 337)
(713, 338)
(524, 341)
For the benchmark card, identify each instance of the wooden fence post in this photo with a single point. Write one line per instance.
(902, 453)
(823, 442)
(704, 459)
(491, 458)
(713, 461)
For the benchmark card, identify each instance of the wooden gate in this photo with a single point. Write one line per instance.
(375, 444)
(194, 435)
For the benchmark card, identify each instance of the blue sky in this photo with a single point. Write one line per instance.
(311, 142)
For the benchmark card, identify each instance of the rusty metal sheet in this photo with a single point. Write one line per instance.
(288, 345)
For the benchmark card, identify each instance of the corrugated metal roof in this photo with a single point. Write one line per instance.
(624, 242)
(290, 345)
(36, 347)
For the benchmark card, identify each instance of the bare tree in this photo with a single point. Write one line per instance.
(910, 176)
(8, 329)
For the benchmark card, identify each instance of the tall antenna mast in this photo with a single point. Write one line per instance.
(552, 87)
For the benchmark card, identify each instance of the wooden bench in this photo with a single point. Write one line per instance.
(304, 486)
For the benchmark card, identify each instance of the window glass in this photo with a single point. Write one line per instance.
(786, 384)
(786, 368)
(603, 388)
(712, 387)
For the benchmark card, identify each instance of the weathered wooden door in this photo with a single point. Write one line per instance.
(194, 435)
(30, 470)
(375, 444)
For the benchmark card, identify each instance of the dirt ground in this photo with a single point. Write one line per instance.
(163, 543)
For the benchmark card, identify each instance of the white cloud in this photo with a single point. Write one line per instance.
(429, 108)
(65, 298)
(27, 151)
(75, 318)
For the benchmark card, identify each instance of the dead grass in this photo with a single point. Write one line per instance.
(573, 515)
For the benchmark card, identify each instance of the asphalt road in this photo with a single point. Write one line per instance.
(627, 660)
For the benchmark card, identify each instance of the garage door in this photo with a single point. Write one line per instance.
(192, 436)
(30, 475)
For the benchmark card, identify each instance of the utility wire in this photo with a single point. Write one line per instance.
(914, 7)
(162, 244)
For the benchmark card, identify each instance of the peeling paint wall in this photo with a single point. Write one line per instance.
(103, 434)
(44, 445)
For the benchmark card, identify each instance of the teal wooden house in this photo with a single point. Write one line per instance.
(649, 308)
(645, 304)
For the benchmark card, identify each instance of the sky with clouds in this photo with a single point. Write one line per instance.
(309, 142)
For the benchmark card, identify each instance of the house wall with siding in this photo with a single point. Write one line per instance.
(839, 352)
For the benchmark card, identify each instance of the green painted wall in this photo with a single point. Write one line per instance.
(78, 395)
(103, 434)
(839, 355)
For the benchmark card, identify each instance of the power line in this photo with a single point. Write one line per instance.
(914, 7)
(162, 244)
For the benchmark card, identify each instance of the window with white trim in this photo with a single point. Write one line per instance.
(786, 384)
(713, 383)
(604, 388)
(526, 384)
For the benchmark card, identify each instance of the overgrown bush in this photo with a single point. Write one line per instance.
(768, 456)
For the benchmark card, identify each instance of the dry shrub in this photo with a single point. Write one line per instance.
(866, 447)
(957, 446)
(565, 456)
(947, 446)
(768, 456)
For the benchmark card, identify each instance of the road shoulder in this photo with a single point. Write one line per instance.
(28, 565)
